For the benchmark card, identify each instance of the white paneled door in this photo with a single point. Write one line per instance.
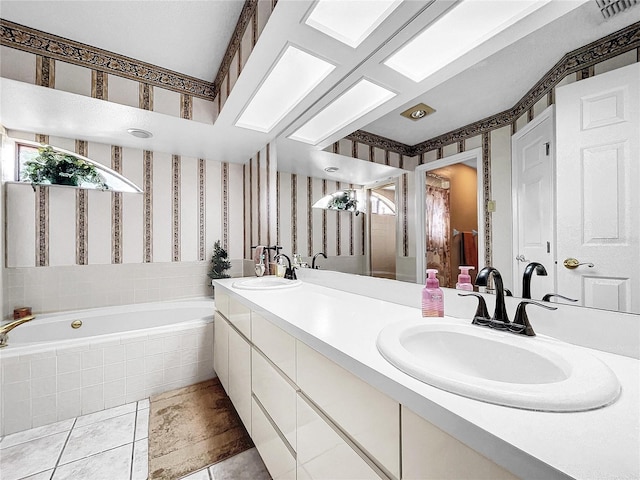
(533, 196)
(598, 189)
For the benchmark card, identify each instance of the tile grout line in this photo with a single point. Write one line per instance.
(133, 444)
(64, 447)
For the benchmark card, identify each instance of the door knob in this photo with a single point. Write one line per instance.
(521, 258)
(572, 263)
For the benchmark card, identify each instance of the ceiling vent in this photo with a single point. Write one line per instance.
(609, 8)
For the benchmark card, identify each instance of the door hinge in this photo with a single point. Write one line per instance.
(547, 148)
(548, 247)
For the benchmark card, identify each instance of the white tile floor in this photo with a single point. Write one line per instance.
(107, 445)
(110, 444)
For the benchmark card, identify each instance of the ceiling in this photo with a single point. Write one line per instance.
(191, 37)
(188, 36)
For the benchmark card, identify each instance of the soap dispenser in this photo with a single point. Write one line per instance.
(432, 296)
(464, 279)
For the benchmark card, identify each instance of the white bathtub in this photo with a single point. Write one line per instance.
(51, 371)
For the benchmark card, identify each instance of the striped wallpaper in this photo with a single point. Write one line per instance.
(187, 205)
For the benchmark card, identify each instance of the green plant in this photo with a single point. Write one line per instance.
(219, 262)
(344, 200)
(59, 168)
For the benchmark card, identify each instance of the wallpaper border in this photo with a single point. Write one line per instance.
(35, 41)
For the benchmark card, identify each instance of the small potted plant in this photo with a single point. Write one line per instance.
(52, 167)
(219, 263)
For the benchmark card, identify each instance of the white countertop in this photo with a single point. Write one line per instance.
(599, 444)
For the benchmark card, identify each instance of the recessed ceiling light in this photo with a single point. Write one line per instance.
(462, 28)
(359, 100)
(350, 22)
(418, 111)
(292, 78)
(331, 169)
(137, 132)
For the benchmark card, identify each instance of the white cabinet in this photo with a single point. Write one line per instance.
(221, 350)
(240, 376)
(323, 453)
(221, 300)
(428, 453)
(275, 343)
(278, 459)
(277, 396)
(240, 317)
(371, 418)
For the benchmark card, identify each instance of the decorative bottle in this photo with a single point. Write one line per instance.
(432, 296)
(464, 279)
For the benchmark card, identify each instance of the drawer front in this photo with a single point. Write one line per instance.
(240, 317)
(240, 376)
(221, 350)
(275, 454)
(368, 416)
(221, 300)
(276, 395)
(275, 343)
(428, 453)
(323, 453)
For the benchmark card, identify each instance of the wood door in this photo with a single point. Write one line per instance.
(598, 188)
(533, 199)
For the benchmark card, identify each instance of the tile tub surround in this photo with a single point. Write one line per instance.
(56, 382)
(111, 444)
(529, 444)
(53, 289)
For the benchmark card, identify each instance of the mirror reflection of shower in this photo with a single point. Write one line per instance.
(382, 208)
(451, 221)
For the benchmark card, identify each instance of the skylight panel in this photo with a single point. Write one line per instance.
(359, 100)
(465, 26)
(293, 77)
(350, 22)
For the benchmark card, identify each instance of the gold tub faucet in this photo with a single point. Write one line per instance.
(5, 329)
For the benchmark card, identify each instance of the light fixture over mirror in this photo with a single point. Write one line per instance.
(345, 200)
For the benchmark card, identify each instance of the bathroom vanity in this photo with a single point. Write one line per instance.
(303, 371)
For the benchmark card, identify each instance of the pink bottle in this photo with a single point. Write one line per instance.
(432, 296)
(464, 279)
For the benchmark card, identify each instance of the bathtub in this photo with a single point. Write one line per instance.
(51, 371)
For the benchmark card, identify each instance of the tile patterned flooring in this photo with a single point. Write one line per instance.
(107, 445)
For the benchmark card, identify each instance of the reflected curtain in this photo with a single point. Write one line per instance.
(438, 246)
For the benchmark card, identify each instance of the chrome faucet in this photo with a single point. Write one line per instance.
(313, 262)
(289, 272)
(500, 312)
(528, 273)
(5, 329)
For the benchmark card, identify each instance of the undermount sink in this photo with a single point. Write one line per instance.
(532, 373)
(269, 282)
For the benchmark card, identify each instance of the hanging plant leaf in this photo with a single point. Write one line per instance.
(52, 167)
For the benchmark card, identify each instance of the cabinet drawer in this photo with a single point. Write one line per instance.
(369, 417)
(240, 376)
(428, 453)
(276, 395)
(323, 453)
(240, 317)
(221, 350)
(275, 343)
(276, 456)
(221, 300)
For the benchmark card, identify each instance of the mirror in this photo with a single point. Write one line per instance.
(449, 197)
(613, 290)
